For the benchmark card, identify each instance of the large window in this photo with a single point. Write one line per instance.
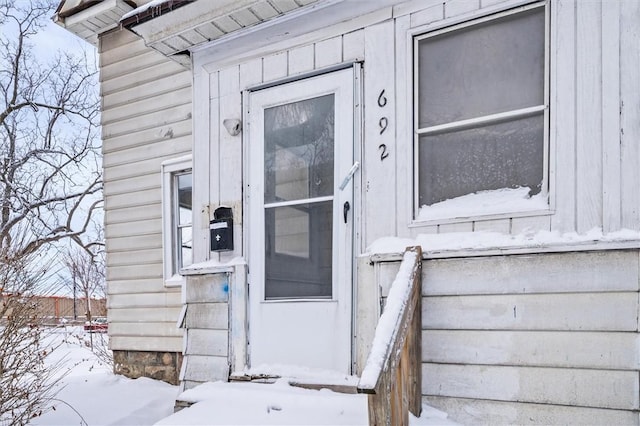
(481, 114)
(177, 214)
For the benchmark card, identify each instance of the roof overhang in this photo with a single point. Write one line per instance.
(237, 24)
(88, 18)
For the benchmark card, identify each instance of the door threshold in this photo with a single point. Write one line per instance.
(297, 376)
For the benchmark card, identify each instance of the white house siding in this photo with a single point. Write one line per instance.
(146, 119)
(531, 339)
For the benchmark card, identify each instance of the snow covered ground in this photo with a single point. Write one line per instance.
(92, 395)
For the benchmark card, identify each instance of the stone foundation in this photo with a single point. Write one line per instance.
(163, 366)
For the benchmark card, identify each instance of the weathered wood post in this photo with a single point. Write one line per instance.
(392, 375)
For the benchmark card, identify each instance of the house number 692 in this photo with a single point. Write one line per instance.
(383, 123)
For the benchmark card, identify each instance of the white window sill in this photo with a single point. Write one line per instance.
(174, 281)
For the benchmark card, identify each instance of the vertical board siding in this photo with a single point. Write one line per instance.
(139, 116)
(630, 112)
(589, 116)
(230, 155)
(379, 174)
(611, 202)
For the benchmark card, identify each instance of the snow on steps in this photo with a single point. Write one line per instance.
(278, 403)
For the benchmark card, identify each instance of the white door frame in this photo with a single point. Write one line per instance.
(350, 111)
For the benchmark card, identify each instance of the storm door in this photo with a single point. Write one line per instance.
(300, 231)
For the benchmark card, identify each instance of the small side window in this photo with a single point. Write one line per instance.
(177, 191)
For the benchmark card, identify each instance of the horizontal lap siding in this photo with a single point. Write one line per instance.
(536, 332)
(146, 120)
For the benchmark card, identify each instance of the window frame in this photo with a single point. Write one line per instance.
(453, 24)
(170, 169)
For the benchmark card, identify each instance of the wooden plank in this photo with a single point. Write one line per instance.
(149, 211)
(404, 133)
(589, 116)
(155, 119)
(238, 323)
(118, 45)
(368, 310)
(145, 182)
(139, 328)
(630, 123)
(205, 368)
(524, 274)
(142, 227)
(230, 157)
(146, 285)
(169, 132)
(213, 316)
(150, 270)
(144, 314)
(458, 7)
(163, 69)
(133, 242)
(145, 300)
(207, 342)
(131, 63)
(428, 15)
(598, 350)
(145, 343)
(495, 225)
(611, 160)
(352, 46)
(577, 387)
(176, 97)
(455, 227)
(302, 59)
(135, 257)
(521, 225)
(164, 150)
(204, 144)
(274, 66)
(378, 174)
(250, 73)
(563, 142)
(579, 311)
(479, 411)
(147, 90)
(328, 52)
(207, 288)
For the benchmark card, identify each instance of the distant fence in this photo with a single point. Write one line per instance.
(55, 308)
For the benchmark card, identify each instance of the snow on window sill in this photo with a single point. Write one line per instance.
(499, 203)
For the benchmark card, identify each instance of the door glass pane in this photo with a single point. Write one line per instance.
(505, 155)
(298, 148)
(493, 67)
(298, 251)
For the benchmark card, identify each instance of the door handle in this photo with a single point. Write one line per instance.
(349, 175)
(345, 210)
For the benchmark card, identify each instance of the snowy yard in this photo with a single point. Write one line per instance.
(91, 394)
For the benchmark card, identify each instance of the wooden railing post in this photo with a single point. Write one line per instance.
(392, 375)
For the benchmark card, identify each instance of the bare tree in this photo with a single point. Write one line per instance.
(50, 190)
(49, 161)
